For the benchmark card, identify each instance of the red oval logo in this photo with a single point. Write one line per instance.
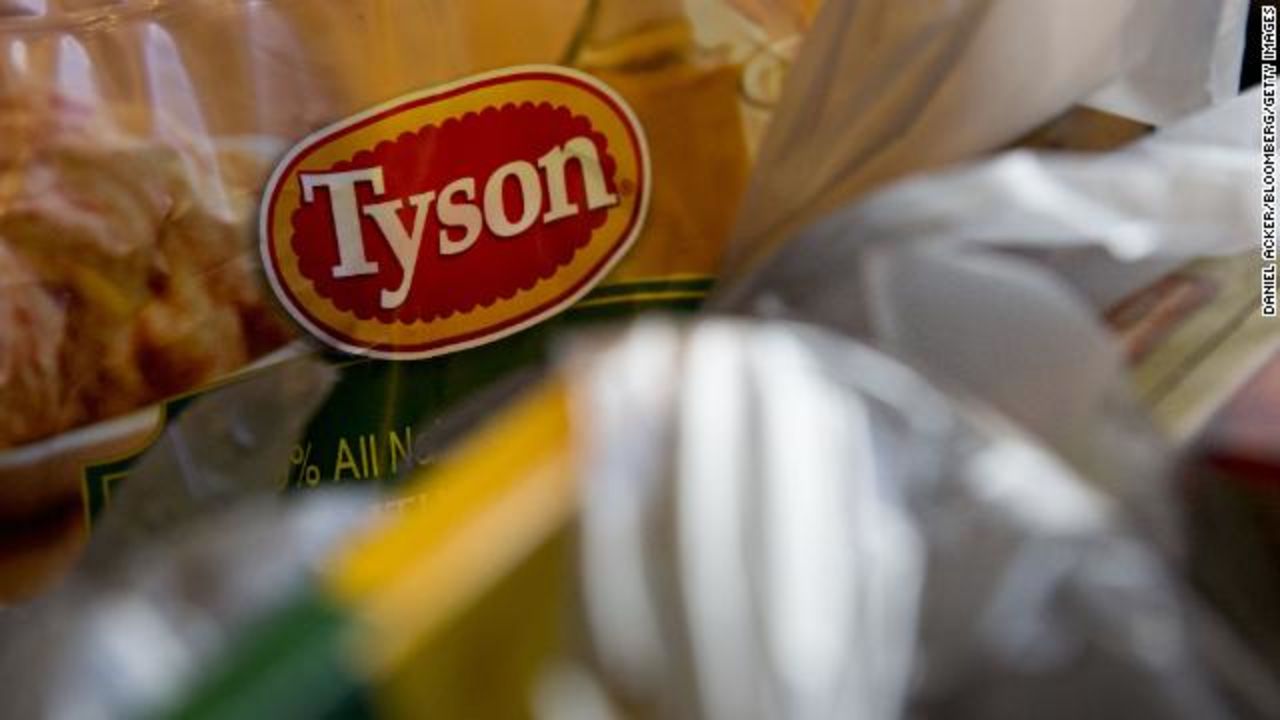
(448, 219)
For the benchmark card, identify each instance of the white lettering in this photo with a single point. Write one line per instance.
(352, 262)
(455, 208)
(553, 164)
(495, 207)
(404, 246)
(463, 215)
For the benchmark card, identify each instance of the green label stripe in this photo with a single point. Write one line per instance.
(691, 285)
(291, 664)
(100, 480)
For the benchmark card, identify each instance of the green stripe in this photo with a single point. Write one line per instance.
(291, 665)
(650, 286)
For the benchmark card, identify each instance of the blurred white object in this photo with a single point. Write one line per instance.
(779, 523)
(991, 275)
(1194, 62)
(195, 545)
(114, 642)
(883, 89)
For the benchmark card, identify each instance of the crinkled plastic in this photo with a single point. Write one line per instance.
(994, 276)
(775, 522)
(117, 641)
(991, 274)
(1201, 67)
(885, 89)
(201, 546)
(781, 523)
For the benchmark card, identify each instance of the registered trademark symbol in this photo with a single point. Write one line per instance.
(626, 187)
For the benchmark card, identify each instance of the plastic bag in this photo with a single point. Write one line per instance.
(141, 136)
(780, 523)
(115, 641)
(658, 408)
(992, 275)
(1005, 277)
(775, 522)
(885, 89)
(1201, 68)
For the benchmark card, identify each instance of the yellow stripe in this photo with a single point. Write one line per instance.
(471, 521)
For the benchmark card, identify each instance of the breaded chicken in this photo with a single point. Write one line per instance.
(126, 267)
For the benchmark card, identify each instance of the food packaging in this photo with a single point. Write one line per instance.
(852, 539)
(202, 119)
(144, 137)
(915, 475)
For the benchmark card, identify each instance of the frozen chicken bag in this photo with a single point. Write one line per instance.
(422, 191)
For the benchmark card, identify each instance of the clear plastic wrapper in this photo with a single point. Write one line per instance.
(1006, 277)
(1201, 68)
(202, 546)
(992, 275)
(118, 641)
(886, 89)
(773, 522)
(780, 523)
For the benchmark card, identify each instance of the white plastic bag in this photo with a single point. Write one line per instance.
(886, 88)
(1195, 63)
(990, 274)
(780, 523)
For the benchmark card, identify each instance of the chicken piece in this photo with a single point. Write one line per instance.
(32, 330)
(144, 255)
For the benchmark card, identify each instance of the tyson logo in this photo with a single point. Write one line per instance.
(451, 218)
